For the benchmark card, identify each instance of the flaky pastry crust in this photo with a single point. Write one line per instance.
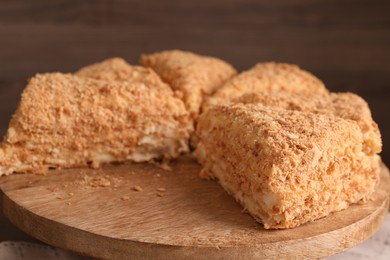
(69, 121)
(195, 76)
(345, 105)
(285, 167)
(268, 76)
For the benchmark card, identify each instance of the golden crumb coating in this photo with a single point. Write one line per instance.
(351, 106)
(268, 76)
(195, 76)
(69, 121)
(344, 105)
(117, 69)
(285, 167)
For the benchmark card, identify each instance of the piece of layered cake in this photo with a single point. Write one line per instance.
(285, 167)
(70, 121)
(194, 76)
(345, 105)
(117, 69)
(264, 77)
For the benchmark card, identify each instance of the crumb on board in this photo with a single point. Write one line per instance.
(69, 203)
(85, 182)
(137, 188)
(161, 189)
(165, 166)
(96, 181)
(125, 198)
(99, 181)
(160, 194)
(161, 164)
(95, 164)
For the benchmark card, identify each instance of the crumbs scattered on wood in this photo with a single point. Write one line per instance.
(125, 198)
(97, 181)
(136, 188)
(165, 166)
(161, 191)
(95, 164)
(162, 165)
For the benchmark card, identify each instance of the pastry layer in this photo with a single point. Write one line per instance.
(117, 69)
(285, 167)
(268, 76)
(195, 76)
(345, 105)
(67, 121)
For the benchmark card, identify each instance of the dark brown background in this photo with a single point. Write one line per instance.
(346, 43)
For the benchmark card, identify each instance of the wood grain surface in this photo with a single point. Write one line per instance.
(142, 211)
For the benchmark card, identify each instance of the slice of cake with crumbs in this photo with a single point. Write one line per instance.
(285, 167)
(268, 76)
(117, 69)
(193, 75)
(345, 105)
(69, 121)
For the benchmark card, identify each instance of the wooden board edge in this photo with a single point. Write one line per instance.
(89, 244)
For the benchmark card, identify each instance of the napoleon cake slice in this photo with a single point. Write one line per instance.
(68, 121)
(117, 69)
(193, 75)
(268, 76)
(345, 105)
(285, 167)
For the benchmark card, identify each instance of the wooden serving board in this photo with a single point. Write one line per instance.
(105, 214)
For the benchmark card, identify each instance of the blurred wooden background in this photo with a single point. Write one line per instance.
(345, 42)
